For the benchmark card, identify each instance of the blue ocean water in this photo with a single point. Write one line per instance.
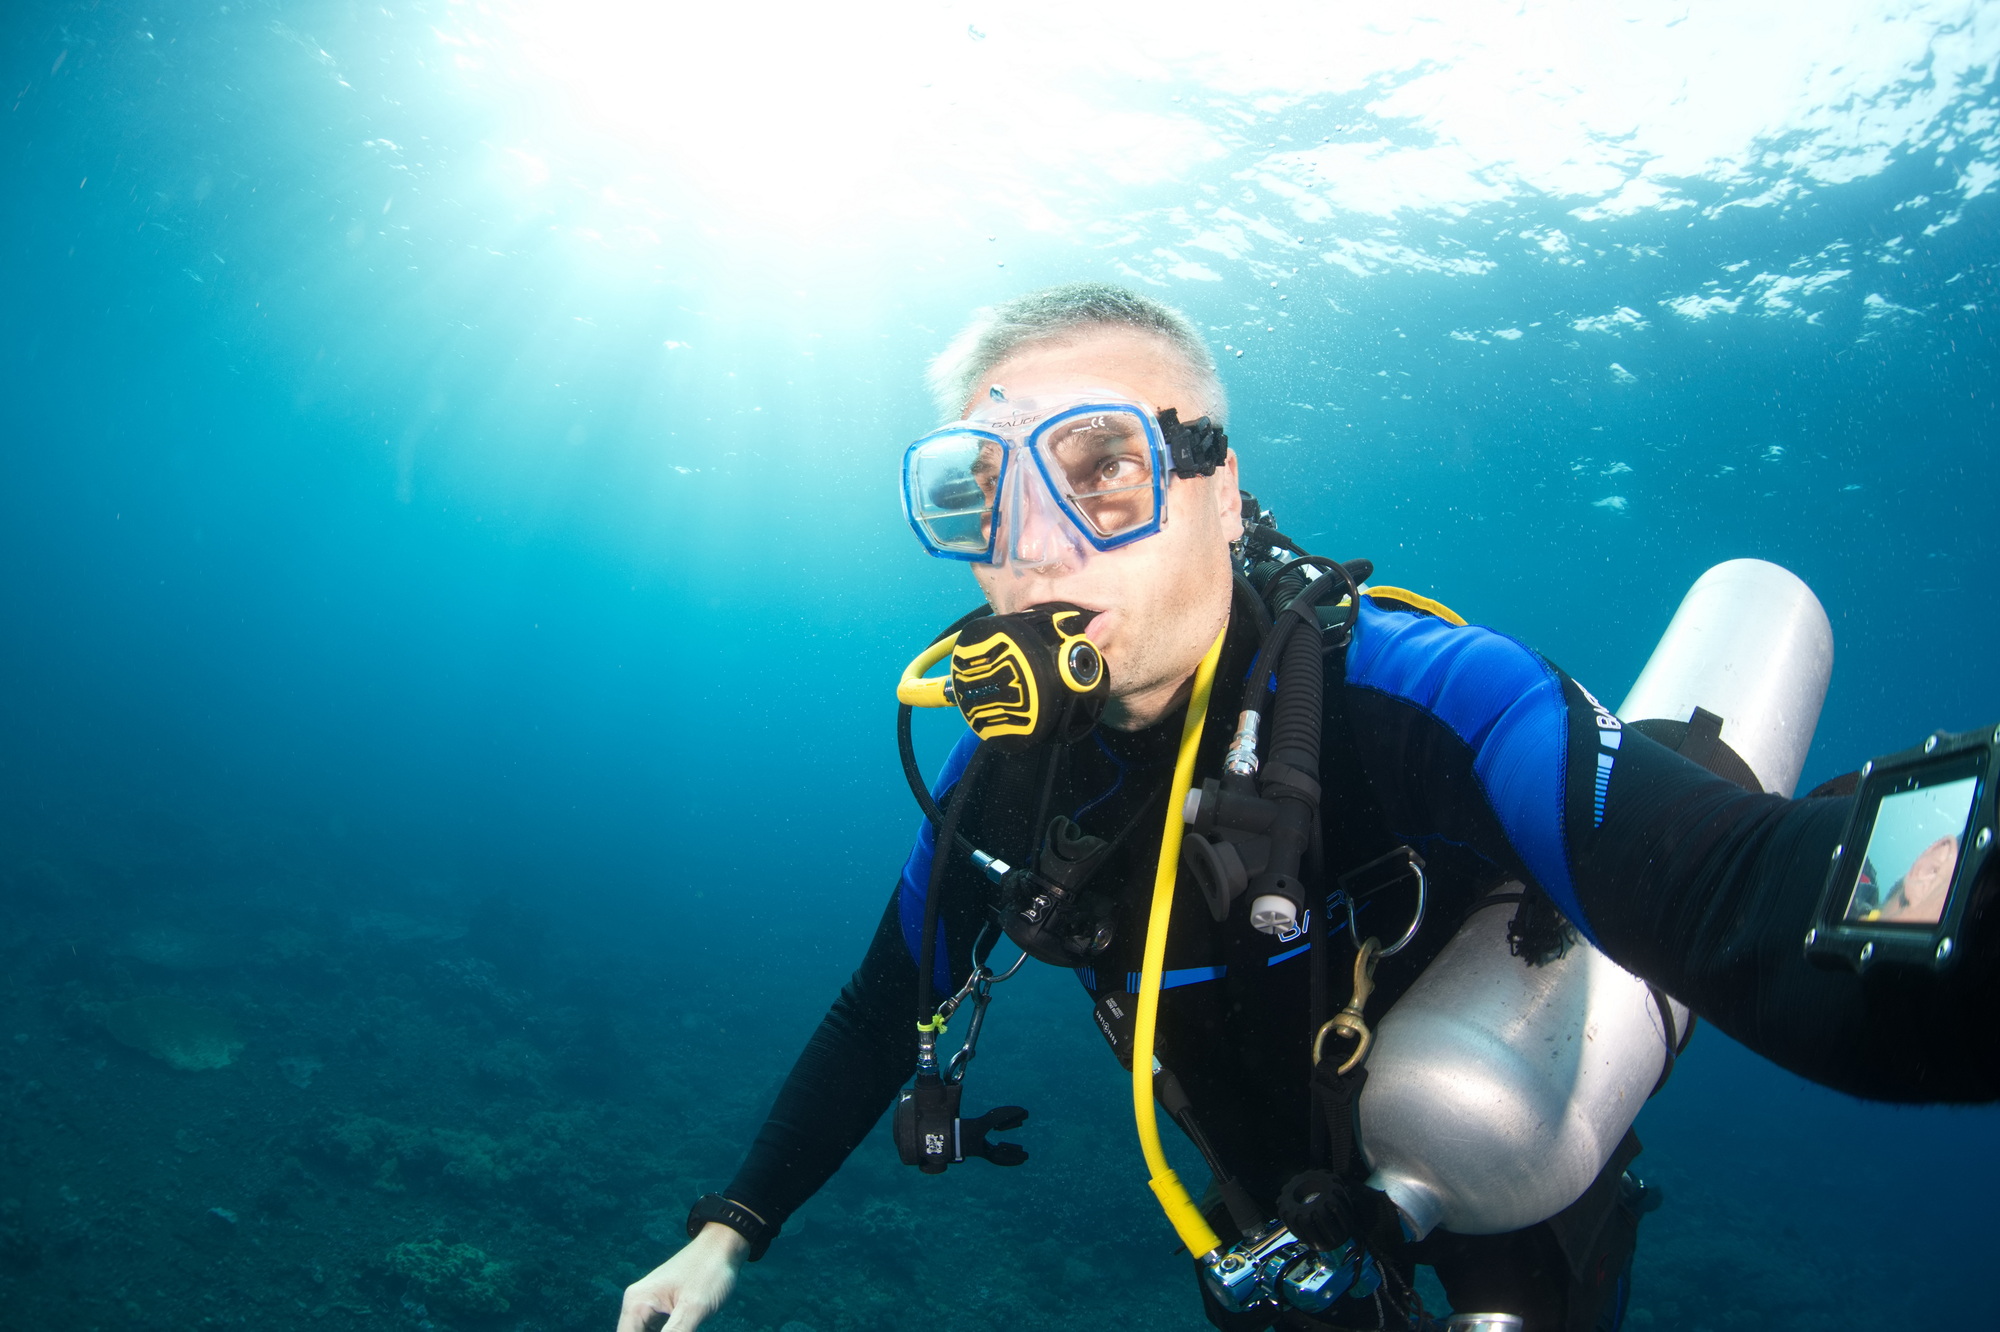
(451, 580)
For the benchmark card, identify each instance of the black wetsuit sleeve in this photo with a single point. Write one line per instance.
(1707, 891)
(864, 1050)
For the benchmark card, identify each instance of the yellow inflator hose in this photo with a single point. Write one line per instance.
(1181, 1211)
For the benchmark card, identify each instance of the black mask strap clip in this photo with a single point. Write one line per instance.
(1196, 447)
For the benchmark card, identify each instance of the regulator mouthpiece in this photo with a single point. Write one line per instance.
(1029, 678)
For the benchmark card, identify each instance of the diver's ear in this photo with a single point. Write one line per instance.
(1228, 500)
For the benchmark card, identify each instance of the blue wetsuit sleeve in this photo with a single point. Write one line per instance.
(1680, 876)
(1465, 734)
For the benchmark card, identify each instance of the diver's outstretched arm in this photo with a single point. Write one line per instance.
(1708, 892)
(1474, 745)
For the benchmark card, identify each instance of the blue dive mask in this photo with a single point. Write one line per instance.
(1060, 477)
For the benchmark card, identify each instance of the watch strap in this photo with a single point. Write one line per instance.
(752, 1227)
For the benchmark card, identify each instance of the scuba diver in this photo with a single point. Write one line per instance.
(1162, 689)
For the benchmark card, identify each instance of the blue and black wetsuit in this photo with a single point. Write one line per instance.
(1465, 744)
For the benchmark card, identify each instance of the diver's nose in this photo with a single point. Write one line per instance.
(1043, 543)
(1036, 540)
(1043, 540)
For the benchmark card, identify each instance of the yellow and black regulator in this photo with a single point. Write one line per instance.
(1020, 680)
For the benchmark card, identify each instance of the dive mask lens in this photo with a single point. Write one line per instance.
(1103, 464)
(950, 481)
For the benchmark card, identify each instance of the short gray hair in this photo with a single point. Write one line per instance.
(1059, 314)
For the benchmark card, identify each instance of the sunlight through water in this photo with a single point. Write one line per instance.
(1339, 132)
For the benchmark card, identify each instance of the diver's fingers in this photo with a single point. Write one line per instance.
(690, 1311)
(639, 1312)
(649, 1301)
(680, 1294)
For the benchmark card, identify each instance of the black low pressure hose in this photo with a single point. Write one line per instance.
(1260, 536)
(1289, 774)
(947, 837)
(1299, 612)
(1282, 584)
(1253, 606)
(906, 745)
(1289, 580)
(1296, 719)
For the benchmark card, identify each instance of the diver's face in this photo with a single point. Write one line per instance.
(1161, 600)
(1924, 886)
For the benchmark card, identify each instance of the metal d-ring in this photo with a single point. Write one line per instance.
(1353, 925)
(1416, 920)
(981, 975)
(1008, 974)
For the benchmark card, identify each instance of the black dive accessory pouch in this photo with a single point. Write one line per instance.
(1913, 858)
(1029, 678)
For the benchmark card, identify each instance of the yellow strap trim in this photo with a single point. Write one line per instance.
(918, 692)
(1416, 599)
(1181, 1211)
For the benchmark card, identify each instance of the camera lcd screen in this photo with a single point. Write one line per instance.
(1913, 854)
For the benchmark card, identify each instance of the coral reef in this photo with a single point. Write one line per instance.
(171, 948)
(455, 1277)
(178, 1033)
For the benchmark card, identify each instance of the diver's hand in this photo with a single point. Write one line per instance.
(688, 1287)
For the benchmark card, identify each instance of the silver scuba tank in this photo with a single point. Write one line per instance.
(1497, 1091)
(1750, 645)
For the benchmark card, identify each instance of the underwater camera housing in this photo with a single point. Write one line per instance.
(1914, 852)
